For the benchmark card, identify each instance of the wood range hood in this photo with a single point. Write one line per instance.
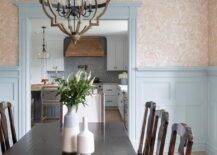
(88, 46)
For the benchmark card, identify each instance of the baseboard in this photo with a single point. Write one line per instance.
(211, 149)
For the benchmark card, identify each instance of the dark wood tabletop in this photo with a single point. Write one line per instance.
(45, 139)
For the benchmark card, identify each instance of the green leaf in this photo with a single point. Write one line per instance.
(75, 89)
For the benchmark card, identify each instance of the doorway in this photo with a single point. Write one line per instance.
(109, 69)
(116, 11)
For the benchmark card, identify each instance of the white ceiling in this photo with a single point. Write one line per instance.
(106, 27)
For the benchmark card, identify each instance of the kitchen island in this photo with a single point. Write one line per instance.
(94, 108)
(36, 95)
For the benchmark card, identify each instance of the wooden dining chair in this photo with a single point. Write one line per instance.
(5, 143)
(2, 141)
(144, 148)
(164, 117)
(186, 139)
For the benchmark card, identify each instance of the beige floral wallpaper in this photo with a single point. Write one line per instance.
(170, 33)
(213, 32)
(173, 33)
(8, 34)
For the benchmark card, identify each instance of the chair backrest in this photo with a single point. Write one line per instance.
(2, 141)
(4, 127)
(144, 148)
(164, 116)
(186, 139)
(49, 95)
(50, 103)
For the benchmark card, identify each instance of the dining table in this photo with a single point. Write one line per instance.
(46, 139)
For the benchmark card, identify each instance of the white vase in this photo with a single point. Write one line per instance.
(70, 131)
(85, 140)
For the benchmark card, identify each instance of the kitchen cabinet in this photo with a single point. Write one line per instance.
(126, 53)
(110, 91)
(117, 53)
(55, 48)
(123, 103)
(56, 60)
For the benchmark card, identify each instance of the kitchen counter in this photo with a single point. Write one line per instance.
(37, 97)
(39, 87)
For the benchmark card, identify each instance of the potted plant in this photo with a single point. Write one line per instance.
(73, 92)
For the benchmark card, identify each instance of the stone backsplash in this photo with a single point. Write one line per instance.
(97, 65)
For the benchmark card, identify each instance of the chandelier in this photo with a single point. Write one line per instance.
(74, 17)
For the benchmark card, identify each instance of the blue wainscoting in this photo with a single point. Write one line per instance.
(188, 94)
(180, 91)
(9, 89)
(212, 111)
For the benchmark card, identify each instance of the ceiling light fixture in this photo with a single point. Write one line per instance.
(74, 17)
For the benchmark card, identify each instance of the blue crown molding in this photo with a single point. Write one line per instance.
(112, 4)
(9, 68)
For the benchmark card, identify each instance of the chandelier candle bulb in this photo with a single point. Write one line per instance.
(85, 140)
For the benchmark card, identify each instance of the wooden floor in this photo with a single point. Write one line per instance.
(112, 115)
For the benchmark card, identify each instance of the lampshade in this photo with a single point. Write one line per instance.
(43, 55)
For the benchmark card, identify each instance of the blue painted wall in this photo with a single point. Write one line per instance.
(187, 93)
(212, 111)
(9, 89)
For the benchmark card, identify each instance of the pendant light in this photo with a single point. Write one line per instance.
(44, 53)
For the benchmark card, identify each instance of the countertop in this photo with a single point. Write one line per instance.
(38, 87)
